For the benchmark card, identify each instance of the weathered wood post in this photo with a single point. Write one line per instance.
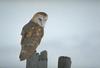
(37, 60)
(64, 62)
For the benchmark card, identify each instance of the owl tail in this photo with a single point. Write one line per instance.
(25, 55)
(21, 57)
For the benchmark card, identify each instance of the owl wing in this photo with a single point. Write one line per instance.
(31, 34)
(31, 37)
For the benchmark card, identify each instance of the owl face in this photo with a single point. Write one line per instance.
(40, 18)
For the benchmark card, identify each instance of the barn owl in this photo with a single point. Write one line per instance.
(32, 34)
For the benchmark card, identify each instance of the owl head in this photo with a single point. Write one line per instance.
(40, 18)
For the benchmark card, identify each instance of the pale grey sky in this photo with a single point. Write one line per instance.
(73, 29)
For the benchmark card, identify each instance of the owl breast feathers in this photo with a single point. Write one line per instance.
(32, 34)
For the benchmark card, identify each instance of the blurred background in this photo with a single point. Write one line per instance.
(72, 29)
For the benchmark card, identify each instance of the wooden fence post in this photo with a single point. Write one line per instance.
(64, 62)
(37, 60)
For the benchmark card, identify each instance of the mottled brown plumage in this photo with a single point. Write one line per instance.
(32, 34)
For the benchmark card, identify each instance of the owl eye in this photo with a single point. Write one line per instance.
(40, 19)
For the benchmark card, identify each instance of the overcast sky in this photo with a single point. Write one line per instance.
(72, 29)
